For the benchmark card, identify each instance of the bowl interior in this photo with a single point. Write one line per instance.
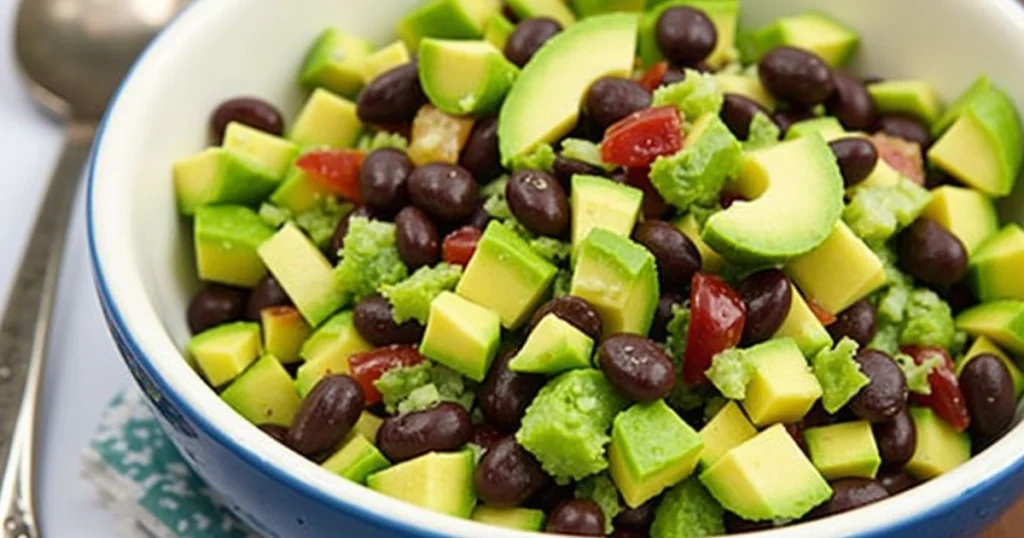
(223, 49)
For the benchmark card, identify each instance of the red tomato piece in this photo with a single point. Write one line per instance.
(904, 156)
(368, 366)
(338, 169)
(458, 247)
(653, 77)
(643, 136)
(717, 316)
(654, 205)
(824, 316)
(946, 398)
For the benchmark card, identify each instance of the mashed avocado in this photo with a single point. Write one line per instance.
(731, 372)
(839, 375)
(928, 321)
(422, 386)
(696, 174)
(917, 374)
(763, 133)
(410, 298)
(600, 489)
(677, 329)
(696, 95)
(911, 316)
(369, 258)
(542, 158)
(876, 213)
(584, 151)
(382, 140)
(319, 222)
(688, 511)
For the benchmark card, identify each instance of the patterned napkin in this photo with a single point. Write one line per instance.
(141, 476)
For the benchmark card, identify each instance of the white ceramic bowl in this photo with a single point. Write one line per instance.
(224, 48)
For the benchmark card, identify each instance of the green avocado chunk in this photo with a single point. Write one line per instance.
(782, 389)
(876, 213)
(552, 347)
(333, 63)
(485, 76)
(273, 152)
(461, 335)
(916, 98)
(554, 9)
(711, 155)
(687, 510)
(220, 176)
(966, 213)
(497, 30)
(304, 273)
(357, 459)
(223, 352)
(619, 279)
(803, 326)
(369, 258)
(411, 298)
(983, 346)
(448, 19)
(1000, 321)
(226, 239)
(827, 126)
(284, 332)
(813, 32)
(598, 202)
(839, 375)
(299, 192)
(728, 428)
(264, 394)
(994, 267)
(838, 272)
(940, 448)
(438, 481)
(601, 489)
(589, 8)
(326, 119)
(845, 450)
(327, 351)
(523, 519)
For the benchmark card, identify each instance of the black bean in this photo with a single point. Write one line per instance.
(856, 157)
(612, 98)
(737, 113)
(850, 493)
(326, 415)
(587, 129)
(851, 103)
(266, 293)
(539, 202)
(640, 517)
(551, 495)
(419, 242)
(663, 314)
(374, 321)
(445, 427)
(678, 258)
(505, 395)
(672, 76)
(215, 305)
(932, 254)
(485, 435)
(896, 481)
(736, 525)
(897, 439)
(480, 152)
(685, 35)
(989, 395)
(905, 127)
(577, 312)
(565, 168)
(480, 217)
(787, 117)
(528, 37)
(767, 295)
(859, 321)
(508, 475)
(251, 111)
(637, 367)
(885, 395)
(338, 239)
(382, 179)
(796, 75)
(578, 517)
(393, 97)
(447, 192)
(276, 432)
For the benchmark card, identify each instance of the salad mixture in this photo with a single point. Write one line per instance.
(612, 267)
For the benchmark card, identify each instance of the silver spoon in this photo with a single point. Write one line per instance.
(72, 55)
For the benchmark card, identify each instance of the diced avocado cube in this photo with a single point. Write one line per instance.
(384, 60)
(882, 175)
(729, 428)
(982, 346)
(749, 87)
(450, 19)
(845, 450)
(711, 261)
(220, 176)
(327, 351)
(940, 448)
(994, 270)
(303, 272)
(461, 335)
(223, 352)
(966, 213)
(839, 272)
(553, 347)
(299, 192)
(827, 126)
(814, 32)
(724, 14)
(767, 478)
(438, 481)
(554, 9)
(503, 256)
(284, 332)
(652, 449)
(226, 239)
(485, 76)
(589, 8)
(523, 519)
(326, 120)
(803, 326)
(688, 510)
(273, 152)
(619, 279)
(915, 98)
(783, 388)
(497, 30)
(1000, 321)
(333, 63)
(367, 425)
(599, 202)
(264, 394)
(357, 459)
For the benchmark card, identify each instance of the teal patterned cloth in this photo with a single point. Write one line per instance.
(142, 477)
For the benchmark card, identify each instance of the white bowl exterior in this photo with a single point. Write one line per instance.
(225, 48)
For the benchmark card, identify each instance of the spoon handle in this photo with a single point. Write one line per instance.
(24, 331)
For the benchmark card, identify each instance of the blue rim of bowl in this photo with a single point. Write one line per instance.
(114, 315)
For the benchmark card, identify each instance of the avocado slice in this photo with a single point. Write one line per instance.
(264, 394)
(711, 261)
(503, 256)
(438, 481)
(223, 352)
(299, 192)
(749, 87)
(982, 346)
(328, 120)
(220, 176)
(599, 202)
(284, 332)
(840, 272)
(724, 14)
(983, 145)
(333, 63)
(383, 60)
(832, 41)
(844, 450)
(915, 98)
(729, 428)
(1001, 321)
(803, 326)
(619, 279)
(773, 179)
(273, 152)
(553, 347)
(497, 30)
(523, 519)
(448, 19)
(304, 273)
(652, 449)
(461, 335)
(554, 9)
(783, 388)
(485, 76)
(357, 459)
(544, 103)
(995, 265)
(966, 213)
(226, 238)
(940, 448)
(767, 478)
(327, 351)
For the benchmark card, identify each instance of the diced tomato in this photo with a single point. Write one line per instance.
(654, 205)
(946, 398)
(458, 247)
(717, 316)
(643, 136)
(652, 78)
(368, 366)
(824, 316)
(904, 156)
(338, 169)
